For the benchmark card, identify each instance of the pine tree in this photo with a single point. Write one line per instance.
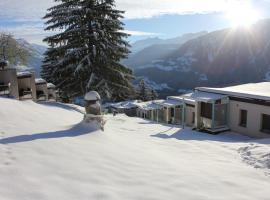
(85, 54)
(143, 91)
(153, 94)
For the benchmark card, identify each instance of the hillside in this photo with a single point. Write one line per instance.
(47, 153)
(36, 55)
(225, 57)
(145, 53)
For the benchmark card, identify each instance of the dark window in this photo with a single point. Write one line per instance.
(206, 110)
(266, 123)
(172, 112)
(193, 117)
(243, 118)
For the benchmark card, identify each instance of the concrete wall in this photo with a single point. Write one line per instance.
(52, 93)
(189, 116)
(10, 76)
(28, 83)
(254, 116)
(43, 87)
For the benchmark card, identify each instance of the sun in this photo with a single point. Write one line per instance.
(241, 15)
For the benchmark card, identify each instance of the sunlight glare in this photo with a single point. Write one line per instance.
(242, 15)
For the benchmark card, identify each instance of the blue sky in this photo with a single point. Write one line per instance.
(143, 18)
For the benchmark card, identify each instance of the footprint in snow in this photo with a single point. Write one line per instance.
(8, 153)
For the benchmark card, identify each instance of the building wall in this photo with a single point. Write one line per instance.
(10, 76)
(28, 83)
(189, 116)
(52, 93)
(43, 87)
(254, 116)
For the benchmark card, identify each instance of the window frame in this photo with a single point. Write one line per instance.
(244, 125)
(263, 130)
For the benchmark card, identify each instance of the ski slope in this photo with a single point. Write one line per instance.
(48, 153)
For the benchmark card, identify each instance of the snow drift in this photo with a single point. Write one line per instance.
(47, 153)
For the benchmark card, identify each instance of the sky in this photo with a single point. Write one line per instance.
(143, 18)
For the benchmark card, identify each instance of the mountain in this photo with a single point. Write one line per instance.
(153, 50)
(36, 56)
(220, 58)
(141, 44)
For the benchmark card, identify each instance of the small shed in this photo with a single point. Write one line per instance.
(26, 85)
(51, 91)
(8, 81)
(41, 89)
(148, 110)
(171, 111)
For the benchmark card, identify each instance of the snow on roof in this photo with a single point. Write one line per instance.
(40, 81)
(50, 86)
(92, 96)
(123, 104)
(24, 73)
(169, 103)
(252, 90)
(198, 96)
(150, 105)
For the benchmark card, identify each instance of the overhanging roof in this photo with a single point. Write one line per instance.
(259, 91)
(193, 97)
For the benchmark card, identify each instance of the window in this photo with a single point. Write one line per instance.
(172, 112)
(193, 117)
(265, 123)
(206, 110)
(243, 118)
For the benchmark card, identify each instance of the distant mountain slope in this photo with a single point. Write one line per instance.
(153, 50)
(225, 57)
(36, 57)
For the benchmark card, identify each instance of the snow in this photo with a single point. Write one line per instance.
(92, 96)
(123, 104)
(257, 154)
(156, 86)
(149, 105)
(250, 90)
(158, 104)
(24, 73)
(40, 81)
(169, 103)
(47, 153)
(166, 68)
(198, 96)
(50, 86)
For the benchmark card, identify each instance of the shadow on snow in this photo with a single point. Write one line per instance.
(77, 130)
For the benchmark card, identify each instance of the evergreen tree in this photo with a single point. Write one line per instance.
(85, 54)
(153, 94)
(145, 92)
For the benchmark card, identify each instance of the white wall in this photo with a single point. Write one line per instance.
(254, 116)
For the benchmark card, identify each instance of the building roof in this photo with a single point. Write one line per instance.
(50, 86)
(191, 98)
(40, 81)
(149, 105)
(24, 74)
(252, 90)
(124, 104)
(169, 103)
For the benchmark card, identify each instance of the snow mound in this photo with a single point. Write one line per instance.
(257, 155)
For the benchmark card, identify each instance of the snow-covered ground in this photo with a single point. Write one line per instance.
(47, 153)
